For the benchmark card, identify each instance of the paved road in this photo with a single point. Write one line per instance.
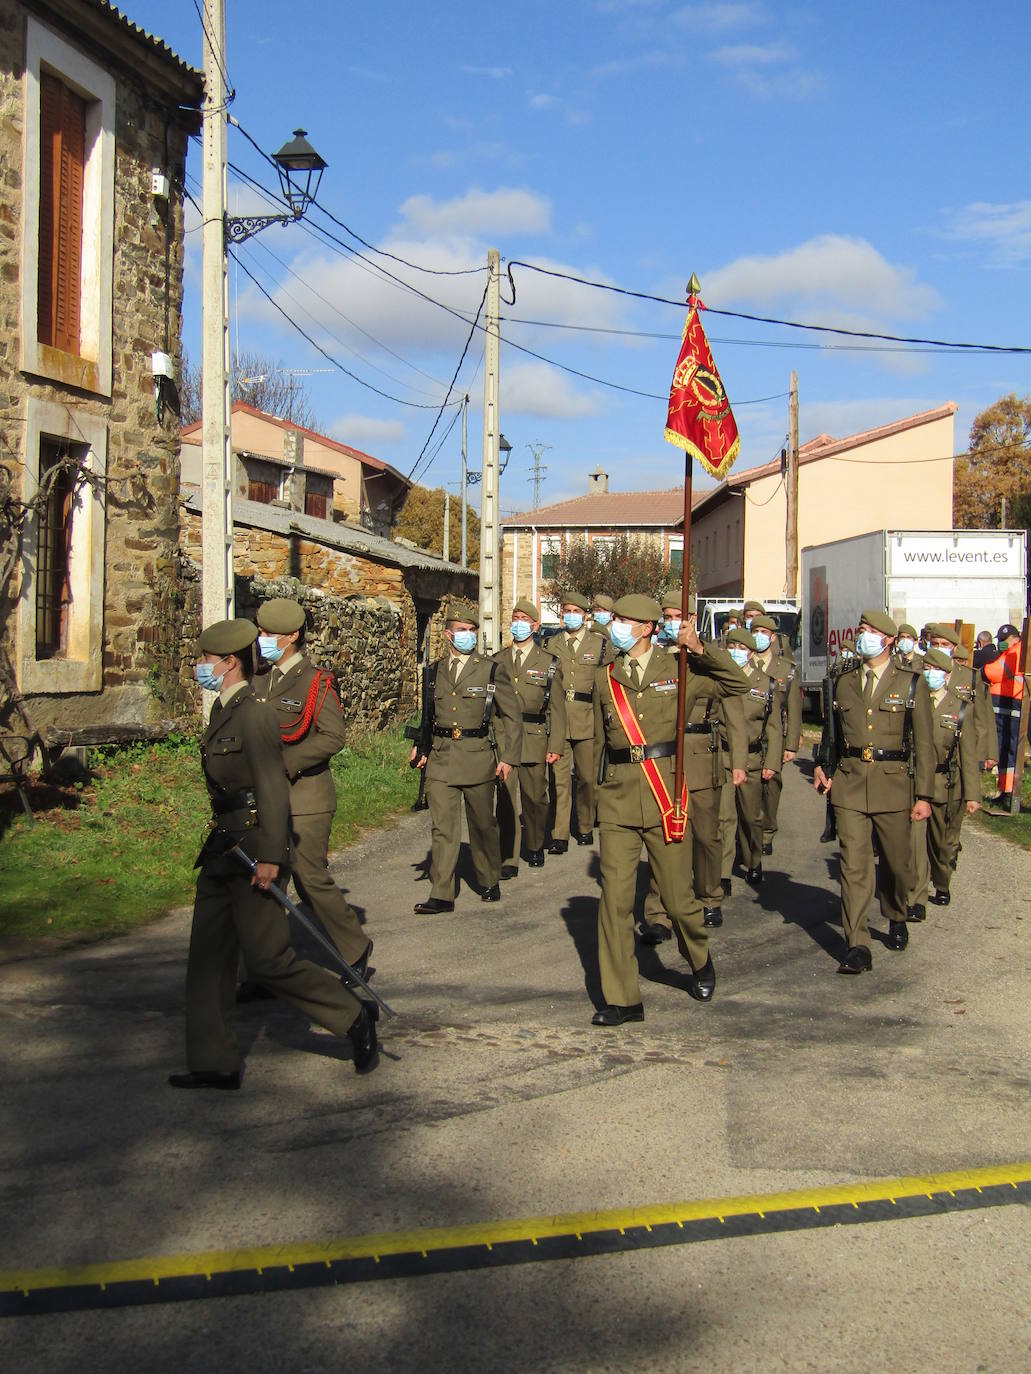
(497, 1099)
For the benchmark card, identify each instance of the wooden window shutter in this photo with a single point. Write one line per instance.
(62, 165)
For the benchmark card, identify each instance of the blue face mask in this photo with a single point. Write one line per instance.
(269, 648)
(906, 645)
(870, 644)
(762, 640)
(671, 629)
(206, 678)
(739, 654)
(572, 620)
(622, 635)
(946, 649)
(935, 678)
(464, 641)
(602, 617)
(520, 630)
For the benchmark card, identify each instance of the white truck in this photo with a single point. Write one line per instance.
(976, 576)
(785, 610)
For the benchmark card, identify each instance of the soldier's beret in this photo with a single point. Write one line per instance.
(961, 654)
(228, 637)
(881, 621)
(908, 630)
(937, 631)
(674, 597)
(459, 609)
(637, 607)
(742, 636)
(754, 607)
(280, 616)
(527, 608)
(604, 602)
(575, 599)
(934, 658)
(764, 622)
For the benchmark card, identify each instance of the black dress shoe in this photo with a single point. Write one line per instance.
(754, 875)
(898, 935)
(362, 1035)
(508, 871)
(535, 858)
(727, 886)
(615, 1016)
(917, 912)
(252, 992)
(491, 894)
(703, 983)
(940, 898)
(712, 916)
(586, 838)
(767, 847)
(206, 1078)
(651, 934)
(361, 966)
(558, 846)
(857, 960)
(432, 905)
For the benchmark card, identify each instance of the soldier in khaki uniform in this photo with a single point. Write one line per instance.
(628, 812)
(537, 679)
(601, 613)
(581, 651)
(956, 785)
(233, 912)
(472, 700)
(886, 728)
(312, 728)
(763, 754)
(906, 651)
(787, 708)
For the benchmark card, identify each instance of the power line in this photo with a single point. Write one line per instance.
(219, 60)
(458, 369)
(382, 252)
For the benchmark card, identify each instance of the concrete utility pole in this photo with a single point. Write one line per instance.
(217, 460)
(791, 484)
(489, 570)
(538, 471)
(465, 478)
(447, 525)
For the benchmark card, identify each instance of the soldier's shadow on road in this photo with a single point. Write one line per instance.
(465, 870)
(813, 909)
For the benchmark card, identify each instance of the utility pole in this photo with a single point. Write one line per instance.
(465, 478)
(447, 525)
(1002, 520)
(217, 460)
(490, 482)
(791, 483)
(538, 471)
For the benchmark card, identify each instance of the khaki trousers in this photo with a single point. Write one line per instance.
(230, 917)
(445, 802)
(892, 874)
(672, 867)
(771, 804)
(707, 857)
(526, 791)
(309, 848)
(580, 752)
(728, 826)
(749, 802)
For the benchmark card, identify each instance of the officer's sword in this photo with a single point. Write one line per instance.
(295, 911)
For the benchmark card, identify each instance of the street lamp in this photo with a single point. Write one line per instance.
(300, 170)
(504, 449)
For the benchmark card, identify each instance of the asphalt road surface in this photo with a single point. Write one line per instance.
(497, 1099)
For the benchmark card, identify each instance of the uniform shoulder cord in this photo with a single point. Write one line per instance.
(321, 686)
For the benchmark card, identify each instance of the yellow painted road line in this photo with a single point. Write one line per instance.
(1006, 1182)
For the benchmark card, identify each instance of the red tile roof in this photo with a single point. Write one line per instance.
(608, 510)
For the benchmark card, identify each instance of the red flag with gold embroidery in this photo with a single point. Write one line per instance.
(700, 419)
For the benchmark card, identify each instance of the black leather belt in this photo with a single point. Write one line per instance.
(637, 753)
(456, 732)
(754, 746)
(314, 771)
(578, 696)
(234, 801)
(943, 768)
(869, 754)
(538, 718)
(700, 727)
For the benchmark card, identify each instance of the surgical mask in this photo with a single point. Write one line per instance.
(464, 641)
(762, 640)
(572, 620)
(870, 644)
(622, 635)
(602, 617)
(906, 645)
(269, 648)
(935, 678)
(671, 629)
(521, 630)
(206, 678)
(739, 654)
(946, 649)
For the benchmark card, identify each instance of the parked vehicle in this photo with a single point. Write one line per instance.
(785, 610)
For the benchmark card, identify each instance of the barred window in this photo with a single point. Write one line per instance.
(58, 463)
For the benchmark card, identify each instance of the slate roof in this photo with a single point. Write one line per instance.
(608, 510)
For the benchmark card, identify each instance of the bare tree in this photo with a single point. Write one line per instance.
(258, 379)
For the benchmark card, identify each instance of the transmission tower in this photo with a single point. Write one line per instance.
(538, 470)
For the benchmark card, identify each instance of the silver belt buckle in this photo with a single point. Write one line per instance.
(637, 753)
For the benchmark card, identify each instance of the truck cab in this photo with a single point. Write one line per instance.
(785, 611)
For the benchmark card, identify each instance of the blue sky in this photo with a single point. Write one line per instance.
(856, 165)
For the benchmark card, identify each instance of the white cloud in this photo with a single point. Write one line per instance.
(539, 101)
(494, 73)
(769, 71)
(842, 418)
(478, 212)
(1004, 228)
(539, 390)
(446, 158)
(718, 17)
(753, 54)
(659, 58)
(365, 431)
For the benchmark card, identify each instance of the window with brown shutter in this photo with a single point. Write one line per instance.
(62, 160)
(315, 504)
(264, 492)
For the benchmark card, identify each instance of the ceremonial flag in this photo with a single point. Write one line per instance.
(700, 419)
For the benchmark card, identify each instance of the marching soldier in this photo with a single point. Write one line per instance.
(906, 648)
(886, 730)
(787, 709)
(635, 713)
(957, 785)
(233, 911)
(581, 652)
(470, 698)
(537, 679)
(601, 613)
(765, 743)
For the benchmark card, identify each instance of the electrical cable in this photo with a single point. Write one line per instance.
(219, 60)
(461, 360)
(382, 252)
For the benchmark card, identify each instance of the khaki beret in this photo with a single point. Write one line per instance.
(637, 607)
(908, 630)
(764, 622)
(880, 621)
(462, 610)
(961, 654)
(674, 598)
(280, 616)
(742, 636)
(603, 601)
(575, 599)
(756, 607)
(527, 608)
(228, 637)
(936, 631)
(934, 658)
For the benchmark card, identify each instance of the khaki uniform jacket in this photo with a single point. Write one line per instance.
(578, 671)
(966, 775)
(625, 798)
(966, 684)
(240, 751)
(787, 706)
(326, 737)
(762, 726)
(530, 684)
(706, 703)
(883, 785)
(465, 762)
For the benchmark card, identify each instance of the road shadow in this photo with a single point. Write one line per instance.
(814, 910)
(580, 913)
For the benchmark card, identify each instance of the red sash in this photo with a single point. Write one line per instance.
(673, 827)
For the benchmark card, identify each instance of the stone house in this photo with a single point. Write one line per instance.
(94, 120)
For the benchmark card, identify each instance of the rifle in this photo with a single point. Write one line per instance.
(422, 734)
(827, 754)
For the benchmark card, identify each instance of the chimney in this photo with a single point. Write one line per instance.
(293, 454)
(597, 482)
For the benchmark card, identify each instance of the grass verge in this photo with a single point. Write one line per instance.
(116, 849)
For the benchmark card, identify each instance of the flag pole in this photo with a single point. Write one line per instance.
(693, 288)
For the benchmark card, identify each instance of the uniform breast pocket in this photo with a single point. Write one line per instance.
(226, 744)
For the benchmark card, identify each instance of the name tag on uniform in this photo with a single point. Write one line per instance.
(949, 722)
(892, 701)
(534, 675)
(665, 685)
(475, 691)
(757, 693)
(589, 658)
(964, 693)
(228, 739)
(289, 701)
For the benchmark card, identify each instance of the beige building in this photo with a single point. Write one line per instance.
(898, 474)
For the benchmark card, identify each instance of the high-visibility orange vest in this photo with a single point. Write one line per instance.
(1004, 675)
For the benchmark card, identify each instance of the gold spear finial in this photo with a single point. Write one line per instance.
(694, 285)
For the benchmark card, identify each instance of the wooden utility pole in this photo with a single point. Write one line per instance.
(490, 482)
(791, 485)
(447, 526)
(465, 479)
